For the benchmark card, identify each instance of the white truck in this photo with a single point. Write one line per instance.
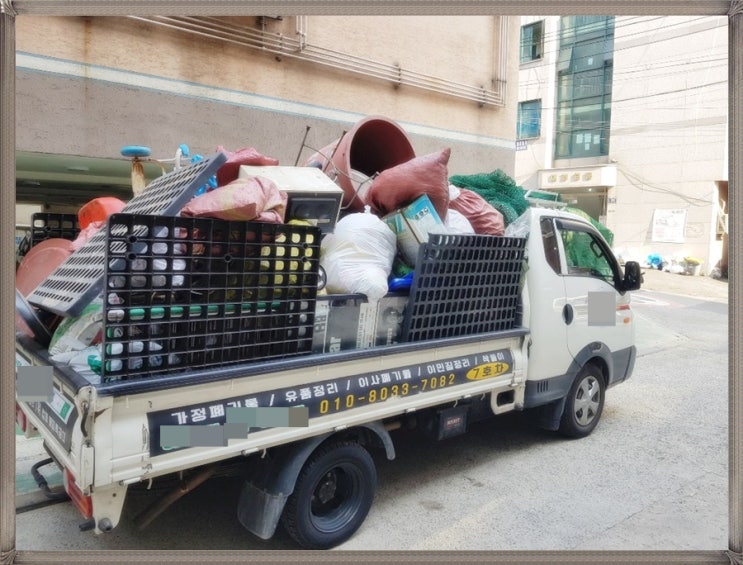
(562, 336)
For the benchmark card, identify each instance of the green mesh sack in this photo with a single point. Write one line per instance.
(578, 245)
(506, 210)
(498, 189)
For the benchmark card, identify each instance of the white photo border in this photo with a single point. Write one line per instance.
(9, 9)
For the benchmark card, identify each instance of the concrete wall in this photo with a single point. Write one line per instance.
(537, 82)
(87, 86)
(668, 133)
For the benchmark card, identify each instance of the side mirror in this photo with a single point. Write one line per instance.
(632, 276)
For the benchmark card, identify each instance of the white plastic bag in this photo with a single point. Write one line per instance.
(358, 255)
(521, 226)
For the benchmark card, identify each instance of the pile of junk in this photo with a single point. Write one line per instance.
(236, 256)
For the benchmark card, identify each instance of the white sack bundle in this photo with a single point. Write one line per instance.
(358, 255)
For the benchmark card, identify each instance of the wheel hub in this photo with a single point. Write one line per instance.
(586, 403)
(327, 488)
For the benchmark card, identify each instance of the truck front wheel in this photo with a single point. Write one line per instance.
(584, 403)
(332, 496)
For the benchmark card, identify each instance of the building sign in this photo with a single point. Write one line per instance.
(668, 225)
(556, 179)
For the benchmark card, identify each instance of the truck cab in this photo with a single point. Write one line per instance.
(581, 326)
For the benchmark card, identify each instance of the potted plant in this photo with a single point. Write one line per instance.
(692, 265)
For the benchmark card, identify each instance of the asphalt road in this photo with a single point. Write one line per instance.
(653, 475)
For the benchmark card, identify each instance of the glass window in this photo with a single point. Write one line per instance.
(531, 42)
(529, 119)
(549, 240)
(584, 78)
(573, 28)
(586, 255)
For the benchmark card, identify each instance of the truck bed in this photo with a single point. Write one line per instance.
(235, 324)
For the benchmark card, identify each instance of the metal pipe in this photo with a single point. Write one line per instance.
(343, 61)
(301, 28)
(300, 49)
(160, 505)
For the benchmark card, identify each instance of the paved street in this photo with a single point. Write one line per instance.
(652, 476)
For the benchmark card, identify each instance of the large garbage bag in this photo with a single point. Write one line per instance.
(358, 256)
(483, 217)
(245, 156)
(244, 199)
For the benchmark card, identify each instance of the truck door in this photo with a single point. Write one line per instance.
(548, 354)
(594, 312)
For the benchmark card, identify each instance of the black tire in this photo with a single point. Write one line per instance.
(332, 496)
(584, 403)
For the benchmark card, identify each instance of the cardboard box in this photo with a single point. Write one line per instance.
(412, 225)
(312, 196)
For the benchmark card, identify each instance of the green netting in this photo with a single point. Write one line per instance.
(603, 230)
(550, 196)
(579, 250)
(499, 189)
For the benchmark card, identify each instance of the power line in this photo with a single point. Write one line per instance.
(646, 186)
(686, 22)
(628, 70)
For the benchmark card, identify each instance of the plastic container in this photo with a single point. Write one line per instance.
(79, 280)
(52, 225)
(98, 210)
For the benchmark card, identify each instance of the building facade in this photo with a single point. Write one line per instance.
(285, 85)
(626, 119)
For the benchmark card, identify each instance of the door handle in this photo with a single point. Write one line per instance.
(567, 314)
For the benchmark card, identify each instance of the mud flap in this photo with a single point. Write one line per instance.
(271, 482)
(272, 478)
(551, 414)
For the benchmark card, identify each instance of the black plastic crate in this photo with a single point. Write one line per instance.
(187, 293)
(47, 225)
(79, 279)
(465, 285)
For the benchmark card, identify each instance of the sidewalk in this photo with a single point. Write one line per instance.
(703, 288)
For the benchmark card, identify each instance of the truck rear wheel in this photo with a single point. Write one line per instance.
(332, 496)
(584, 403)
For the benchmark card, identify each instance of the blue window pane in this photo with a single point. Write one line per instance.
(529, 119)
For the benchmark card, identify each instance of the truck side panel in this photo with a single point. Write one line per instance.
(337, 395)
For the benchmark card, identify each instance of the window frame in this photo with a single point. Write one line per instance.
(535, 47)
(562, 226)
